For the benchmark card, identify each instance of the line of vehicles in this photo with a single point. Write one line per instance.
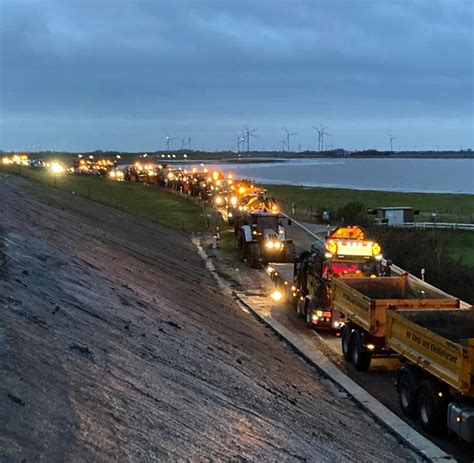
(343, 283)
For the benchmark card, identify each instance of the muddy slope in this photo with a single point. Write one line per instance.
(116, 344)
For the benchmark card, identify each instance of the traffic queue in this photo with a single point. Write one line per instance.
(342, 283)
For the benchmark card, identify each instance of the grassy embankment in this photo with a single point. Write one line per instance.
(141, 200)
(448, 207)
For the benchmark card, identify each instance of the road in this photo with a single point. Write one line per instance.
(117, 345)
(379, 381)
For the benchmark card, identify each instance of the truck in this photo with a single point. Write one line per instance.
(346, 253)
(261, 238)
(364, 303)
(436, 382)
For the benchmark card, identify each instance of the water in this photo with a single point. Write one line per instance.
(406, 175)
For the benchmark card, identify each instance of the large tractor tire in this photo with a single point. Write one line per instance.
(253, 257)
(359, 357)
(300, 307)
(241, 247)
(290, 252)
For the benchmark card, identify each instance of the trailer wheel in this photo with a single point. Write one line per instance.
(359, 357)
(254, 255)
(346, 342)
(432, 409)
(407, 386)
(290, 252)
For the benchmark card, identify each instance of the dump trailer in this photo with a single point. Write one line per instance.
(436, 383)
(364, 303)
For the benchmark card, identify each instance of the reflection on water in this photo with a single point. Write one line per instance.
(423, 175)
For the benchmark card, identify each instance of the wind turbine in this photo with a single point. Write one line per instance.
(168, 139)
(391, 138)
(321, 133)
(287, 138)
(319, 137)
(283, 143)
(247, 134)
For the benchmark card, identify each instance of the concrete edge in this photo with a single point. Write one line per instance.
(395, 425)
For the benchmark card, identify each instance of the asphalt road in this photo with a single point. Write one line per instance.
(380, 380)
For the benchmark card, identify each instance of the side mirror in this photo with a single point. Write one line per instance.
(290, 222)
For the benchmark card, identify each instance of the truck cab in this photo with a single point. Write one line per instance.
(344, 254)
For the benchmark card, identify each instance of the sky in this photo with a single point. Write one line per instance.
(84, 75)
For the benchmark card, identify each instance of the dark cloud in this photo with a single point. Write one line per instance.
(115, 74)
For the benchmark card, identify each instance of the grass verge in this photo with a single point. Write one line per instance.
(457, 208)
(141, 200)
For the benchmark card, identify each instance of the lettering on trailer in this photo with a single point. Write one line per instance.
(427, 344)
(353, 301)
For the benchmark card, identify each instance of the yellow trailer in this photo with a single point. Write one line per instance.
(437, 381)
(364, 302)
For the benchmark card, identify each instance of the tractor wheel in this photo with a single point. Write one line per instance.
(241, 245)
(309, 316)
(300, 307)
(290, 252)
(254, 255)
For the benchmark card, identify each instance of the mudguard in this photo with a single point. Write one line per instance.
(247, 232)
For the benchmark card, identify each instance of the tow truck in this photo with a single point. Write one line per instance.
(346, 253)
(262, 238)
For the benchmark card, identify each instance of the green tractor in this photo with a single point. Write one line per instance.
(261, 238)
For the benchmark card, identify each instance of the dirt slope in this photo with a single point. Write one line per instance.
(116, 345)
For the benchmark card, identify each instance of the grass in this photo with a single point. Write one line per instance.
(460, 245)
(141, 200)
(457, 208)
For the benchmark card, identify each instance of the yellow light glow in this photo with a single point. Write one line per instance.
(277, 295)
(242, 190)
(215, 175)
(57, 168)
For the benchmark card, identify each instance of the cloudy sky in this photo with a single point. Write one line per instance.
(118, 74)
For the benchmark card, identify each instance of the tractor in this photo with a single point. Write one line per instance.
(261, 238)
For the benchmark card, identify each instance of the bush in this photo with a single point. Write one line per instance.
(417, 249)
(353, 213)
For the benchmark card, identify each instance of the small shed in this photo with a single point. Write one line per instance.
(396, 215)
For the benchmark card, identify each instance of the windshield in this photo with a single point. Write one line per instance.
(355, 269)
(267, 222)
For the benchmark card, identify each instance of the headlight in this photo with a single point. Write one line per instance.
(233, 200)
(277, 295)
(219, 200)
(230, 214)
(379, 257)
(269, 244)
(277, 245)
